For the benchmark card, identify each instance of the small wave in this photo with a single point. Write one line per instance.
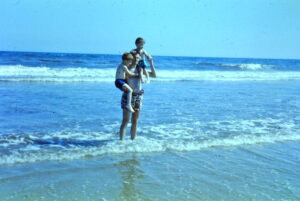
(51, 60)
(191, 75)
(252, 66)
(207, 63)
(238, 66)
(19, 73)
(29, 55)
(142, 145)
(45, 55)
(160, 138)
(79, 62)
(11, 140)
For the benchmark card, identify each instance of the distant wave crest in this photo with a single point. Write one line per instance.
(19, 73)
(238, 66)
(252, 66)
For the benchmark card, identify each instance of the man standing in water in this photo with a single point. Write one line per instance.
(136, 101)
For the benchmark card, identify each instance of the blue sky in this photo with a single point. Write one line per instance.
(213, 28)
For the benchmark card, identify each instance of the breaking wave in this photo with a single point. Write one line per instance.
(69, 145)
(19, 73)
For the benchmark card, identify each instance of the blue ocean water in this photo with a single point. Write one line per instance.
(58, 67)
(55, 102)
(64, 107)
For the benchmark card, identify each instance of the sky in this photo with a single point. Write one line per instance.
(204, 28)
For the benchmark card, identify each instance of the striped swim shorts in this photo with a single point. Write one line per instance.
(136, 101)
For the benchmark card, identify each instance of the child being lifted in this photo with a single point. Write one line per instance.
(140, 54)
(122, 72)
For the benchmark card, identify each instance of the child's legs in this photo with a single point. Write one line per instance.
(128, 89)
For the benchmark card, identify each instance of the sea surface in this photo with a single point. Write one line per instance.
(209, 129)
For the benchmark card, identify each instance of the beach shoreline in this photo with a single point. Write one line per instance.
(235, 173)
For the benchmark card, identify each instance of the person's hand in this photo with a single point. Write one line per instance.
(141, 91)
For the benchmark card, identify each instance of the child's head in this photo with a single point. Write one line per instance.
(127, 58)
(139, 42)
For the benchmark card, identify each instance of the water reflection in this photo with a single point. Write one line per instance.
(131, 174)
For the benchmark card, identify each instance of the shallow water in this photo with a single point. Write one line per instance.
(229, 131)
(259, 172)
(69, 121)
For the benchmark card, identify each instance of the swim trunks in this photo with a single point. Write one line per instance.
(119, 83)
(136, 100)
(141, 64)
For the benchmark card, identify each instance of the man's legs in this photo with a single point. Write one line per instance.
(134, 121)
(126, 116)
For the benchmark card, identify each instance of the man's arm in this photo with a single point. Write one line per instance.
(152, 73)
(141, 75)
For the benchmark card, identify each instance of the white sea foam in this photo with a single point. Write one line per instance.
(189, 75)
(253, 66)
(165, 137)
(45, 74)
(142, 145)
(19, 73)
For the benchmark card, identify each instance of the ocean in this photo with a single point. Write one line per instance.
(209, 129)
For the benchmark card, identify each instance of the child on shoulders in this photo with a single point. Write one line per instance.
(140, 54)
(121, 73)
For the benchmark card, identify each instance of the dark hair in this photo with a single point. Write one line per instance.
(139, 39)
(127, 56)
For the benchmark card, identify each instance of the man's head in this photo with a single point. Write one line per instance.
(127, 58)
(136, 56)
(139, 42)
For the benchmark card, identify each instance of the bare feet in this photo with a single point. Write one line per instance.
(129, 108)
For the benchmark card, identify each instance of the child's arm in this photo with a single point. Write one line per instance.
(130, 74)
